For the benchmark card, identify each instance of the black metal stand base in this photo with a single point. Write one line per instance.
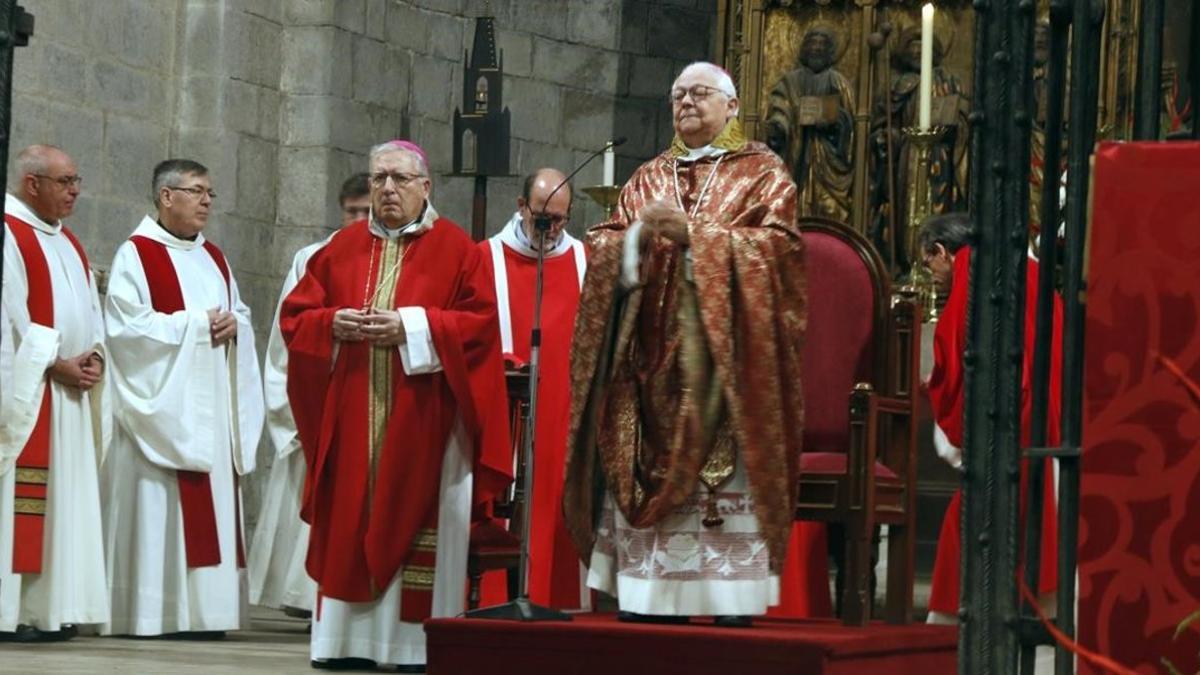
(520, 609)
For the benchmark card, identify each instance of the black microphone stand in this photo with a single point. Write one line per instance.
(520, 608)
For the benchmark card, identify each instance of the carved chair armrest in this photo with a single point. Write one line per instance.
(860, 460)
(898, 432)
(903, 350)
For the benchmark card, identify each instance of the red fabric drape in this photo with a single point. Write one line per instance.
(1139, 558)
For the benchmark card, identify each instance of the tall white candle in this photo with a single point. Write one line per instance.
(926, 92)
(610, 167)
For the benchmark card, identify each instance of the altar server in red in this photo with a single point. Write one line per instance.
(555, 573)
(945, 241)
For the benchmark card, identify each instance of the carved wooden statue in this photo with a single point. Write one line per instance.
(809, 123)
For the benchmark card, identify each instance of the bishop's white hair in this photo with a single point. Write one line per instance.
(398, 146)
(721, 78)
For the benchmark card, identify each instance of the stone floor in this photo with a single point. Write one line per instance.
(274, 644)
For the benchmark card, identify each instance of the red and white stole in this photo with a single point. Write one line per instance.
(33, 464)
(195, 490)
(509, 237)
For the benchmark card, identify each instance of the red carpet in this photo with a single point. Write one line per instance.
(599, 644)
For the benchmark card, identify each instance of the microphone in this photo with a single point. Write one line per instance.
(541, 221)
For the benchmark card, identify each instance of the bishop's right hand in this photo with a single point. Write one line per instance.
(664, 219)
(348, 324)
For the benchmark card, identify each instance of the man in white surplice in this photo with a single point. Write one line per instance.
(277, 575)
(53, 428)
(189, 410)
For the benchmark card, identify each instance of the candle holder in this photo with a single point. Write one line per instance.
(606, 196)
(920, 207)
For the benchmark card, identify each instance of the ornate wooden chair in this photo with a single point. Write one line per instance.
(492, 546)
(859, 464)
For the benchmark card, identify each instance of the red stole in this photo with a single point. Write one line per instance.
(360, 539)
(33, 464)
(195, 490)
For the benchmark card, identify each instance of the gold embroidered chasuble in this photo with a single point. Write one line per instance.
(417, 575)
(698, 365)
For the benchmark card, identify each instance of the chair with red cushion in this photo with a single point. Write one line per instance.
(492, 544)
(860, 367)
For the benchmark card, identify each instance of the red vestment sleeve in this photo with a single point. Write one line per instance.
(307, 328)
(946, 382)
(467, 339)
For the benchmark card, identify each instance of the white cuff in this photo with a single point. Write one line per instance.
(201, 318)
(417, 355)
(945, 449)
(38, 351)
(21, 405)
(630, 258)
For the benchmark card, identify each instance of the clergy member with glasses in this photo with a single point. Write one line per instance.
(687, 410)
(189, 411)
(53, 423)
(556, 576)
(397, 387)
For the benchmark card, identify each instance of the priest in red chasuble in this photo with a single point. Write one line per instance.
(945, 242)
(397, 387)
(687, 412)
(555, 573)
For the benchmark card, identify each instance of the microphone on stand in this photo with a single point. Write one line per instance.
(521, 609)
(541, 221)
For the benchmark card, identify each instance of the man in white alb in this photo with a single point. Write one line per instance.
(189, 410)
(277, 575)
(53, 425)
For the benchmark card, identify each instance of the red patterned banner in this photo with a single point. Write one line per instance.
(1139, 571)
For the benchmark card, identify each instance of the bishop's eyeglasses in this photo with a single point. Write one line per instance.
(378, 180)
(698, 92)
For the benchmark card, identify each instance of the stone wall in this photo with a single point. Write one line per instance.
(283, 98)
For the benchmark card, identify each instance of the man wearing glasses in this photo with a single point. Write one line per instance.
(511, 261)
(277, 575)
(397, 387)
(189, 411)
(53, 429)
(687, 411)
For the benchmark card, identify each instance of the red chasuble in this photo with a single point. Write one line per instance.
(33, 464)
(367, 511)
(946, 384)
(553, 559)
